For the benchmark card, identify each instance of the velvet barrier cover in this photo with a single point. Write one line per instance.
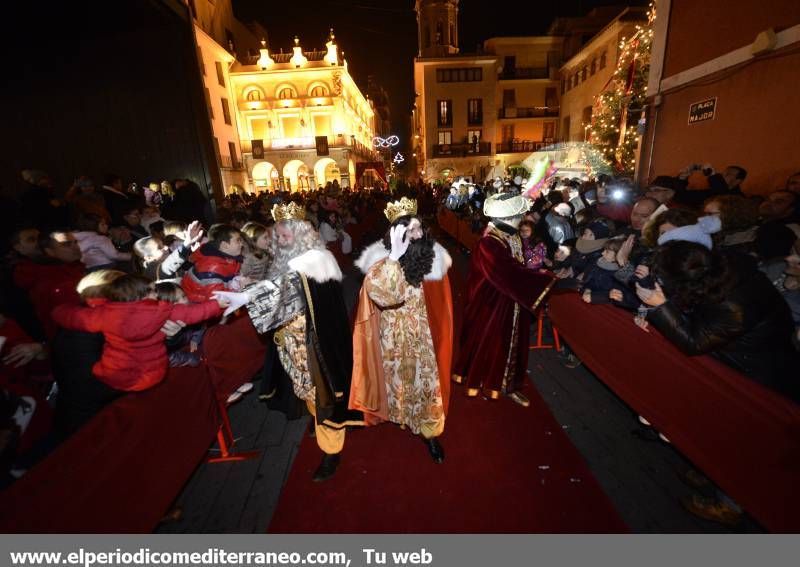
(234, 353)
(122, 470)
(745, 437)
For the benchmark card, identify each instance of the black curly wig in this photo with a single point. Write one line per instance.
(418, 259)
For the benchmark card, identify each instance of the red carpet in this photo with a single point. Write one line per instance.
(508, 469)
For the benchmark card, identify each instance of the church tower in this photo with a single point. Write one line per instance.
(437, 27)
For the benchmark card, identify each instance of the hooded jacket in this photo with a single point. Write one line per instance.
(134, 354)
(211, 271)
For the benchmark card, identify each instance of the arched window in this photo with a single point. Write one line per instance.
(254, 94)
(319, 90)
(286, 92)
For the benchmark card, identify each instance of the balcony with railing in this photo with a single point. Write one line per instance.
(514, 146)
(518, 73)
(462, 150)
(528, 112)
(310, 143)
(226, 162)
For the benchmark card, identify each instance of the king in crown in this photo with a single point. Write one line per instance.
(403, 332)
(291, 211)
(405, 207)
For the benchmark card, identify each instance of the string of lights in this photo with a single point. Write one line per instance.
(616, 111)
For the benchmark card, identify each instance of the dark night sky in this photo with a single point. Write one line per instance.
(379, 37)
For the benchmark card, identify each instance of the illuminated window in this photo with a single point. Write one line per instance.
(475, 111)
(253, 94)
(259, 128)
(445, 113)
(445, 137)
(286, 93)
(319, 90)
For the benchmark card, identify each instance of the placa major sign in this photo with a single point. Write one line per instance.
(703, 110)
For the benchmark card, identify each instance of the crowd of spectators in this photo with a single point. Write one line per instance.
(716, 270)
(104, 287)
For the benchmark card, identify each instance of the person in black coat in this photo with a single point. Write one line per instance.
(708, 302)
(189, 203)
(115, 199)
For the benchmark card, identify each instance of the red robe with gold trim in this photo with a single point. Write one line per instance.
(501, 297)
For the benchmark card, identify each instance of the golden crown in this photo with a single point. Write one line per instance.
(292, 211)
(403, 207)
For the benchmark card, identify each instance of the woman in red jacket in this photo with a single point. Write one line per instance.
(134, 354)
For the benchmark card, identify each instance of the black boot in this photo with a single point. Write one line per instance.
(435, 449)
(327, 467)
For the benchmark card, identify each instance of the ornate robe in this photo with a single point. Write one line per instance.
(501, 296)
(402, 344)
(310, 355)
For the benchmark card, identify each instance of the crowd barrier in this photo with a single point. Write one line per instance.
(121, 471)
(459, 228)
(743, 436)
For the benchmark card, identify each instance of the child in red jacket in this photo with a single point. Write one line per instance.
(134, 354)
(215, 264)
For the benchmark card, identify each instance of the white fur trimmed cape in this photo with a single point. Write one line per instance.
(318, 265)
(376, 252)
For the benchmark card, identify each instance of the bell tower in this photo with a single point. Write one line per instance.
(437, 27)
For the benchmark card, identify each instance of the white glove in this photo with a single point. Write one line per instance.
(399, 243)
(193, 234)
(233, 299)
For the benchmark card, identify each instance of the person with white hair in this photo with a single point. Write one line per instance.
(310, 352)
(502, 295)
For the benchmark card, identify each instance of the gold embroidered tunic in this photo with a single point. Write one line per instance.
(409, 359)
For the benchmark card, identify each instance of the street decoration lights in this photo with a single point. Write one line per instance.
(389, 142)
(617, 109)
(398, 158)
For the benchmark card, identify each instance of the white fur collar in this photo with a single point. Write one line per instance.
(318, 265)
(376, 252)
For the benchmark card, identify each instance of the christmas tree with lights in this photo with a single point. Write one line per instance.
(617, 110)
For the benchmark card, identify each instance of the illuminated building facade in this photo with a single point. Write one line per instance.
(221, 40)
(480, 114)
(302, 120)
(586, 73)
